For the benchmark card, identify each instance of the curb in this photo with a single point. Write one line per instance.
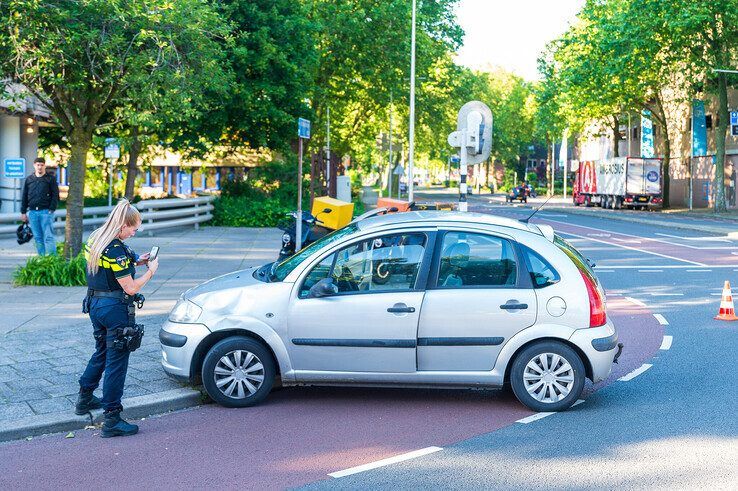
(135, 407)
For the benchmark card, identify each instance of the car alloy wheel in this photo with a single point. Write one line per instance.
(238, 371)
(548, 377)
(239, 374)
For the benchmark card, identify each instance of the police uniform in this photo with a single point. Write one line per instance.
(111, 312)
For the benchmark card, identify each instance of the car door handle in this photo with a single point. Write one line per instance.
(400, 310)
(514, 306)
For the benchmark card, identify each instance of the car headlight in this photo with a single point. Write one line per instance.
(185, 312)
(286, 238)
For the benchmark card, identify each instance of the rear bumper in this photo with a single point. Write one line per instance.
(600, 345)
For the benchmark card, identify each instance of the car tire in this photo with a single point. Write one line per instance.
(564, 387)
(249, 365)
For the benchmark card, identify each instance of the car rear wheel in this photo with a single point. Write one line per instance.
(547, 376)
(238, 372)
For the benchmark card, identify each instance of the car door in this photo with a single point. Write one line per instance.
(370, 323)
(478, 297)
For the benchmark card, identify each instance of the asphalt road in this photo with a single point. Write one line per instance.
(670, 425)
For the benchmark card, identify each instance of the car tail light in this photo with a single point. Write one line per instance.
(657, 200)
(628, 199)
(597, 314)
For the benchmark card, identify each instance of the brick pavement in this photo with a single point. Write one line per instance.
(45, 340)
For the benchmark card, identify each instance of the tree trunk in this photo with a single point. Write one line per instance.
(661, 121)
(549, 174)
(79, 142)
(720, 132)
(615, 136)
(132, 166)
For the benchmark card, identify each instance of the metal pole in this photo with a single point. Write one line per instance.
(462, 174)
(391, 170)
(553, 166)
(328, 144)
(15, 195)
(627, 153)
(110, 184)
(691, 151)
(298, 219)
(411, 150)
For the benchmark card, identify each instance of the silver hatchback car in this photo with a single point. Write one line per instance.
(415, 299)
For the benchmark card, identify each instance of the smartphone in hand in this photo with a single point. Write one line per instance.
(154, 252)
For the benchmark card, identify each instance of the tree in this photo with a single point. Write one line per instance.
(85, 59)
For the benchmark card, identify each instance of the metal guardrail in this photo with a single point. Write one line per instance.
(156, 214)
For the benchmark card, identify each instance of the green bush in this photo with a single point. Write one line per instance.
(532, 179)
(51, 270)
(242, 211)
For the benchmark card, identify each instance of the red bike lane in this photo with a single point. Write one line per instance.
(297, 436)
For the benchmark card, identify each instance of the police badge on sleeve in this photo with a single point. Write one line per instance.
(122, 261)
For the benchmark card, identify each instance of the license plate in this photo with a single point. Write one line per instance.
(641, 199)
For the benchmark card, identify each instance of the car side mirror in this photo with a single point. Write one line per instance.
(323, 288)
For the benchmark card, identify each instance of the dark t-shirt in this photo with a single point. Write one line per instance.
(116, 261)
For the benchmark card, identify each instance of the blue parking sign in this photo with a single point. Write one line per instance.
(303, 128)
(15, 168)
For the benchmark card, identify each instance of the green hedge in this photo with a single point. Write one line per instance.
(243, 211)
(51, 270)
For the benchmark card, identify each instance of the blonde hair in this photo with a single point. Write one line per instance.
(122, 215)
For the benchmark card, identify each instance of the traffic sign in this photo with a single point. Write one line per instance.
(734, 118)
(15, 168)
(399, 171)
(112, 149)
(734, 130)
(303, 128)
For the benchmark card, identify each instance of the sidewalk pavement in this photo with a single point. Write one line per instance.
(45, 340)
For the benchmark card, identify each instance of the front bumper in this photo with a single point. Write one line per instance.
(600, 345)
(178, 345)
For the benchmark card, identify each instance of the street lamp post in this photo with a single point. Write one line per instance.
(411, 149)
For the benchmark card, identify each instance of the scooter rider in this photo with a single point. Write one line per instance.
(112, 291)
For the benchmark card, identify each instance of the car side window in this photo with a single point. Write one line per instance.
(476, 260)
(386, 263)
(542, 274)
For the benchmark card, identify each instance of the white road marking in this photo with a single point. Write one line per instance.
(716, 294)
(698, 270)
(643, 251)
(635, 301)
(534, 417)
(604, 270)
(556, 215)
(384, 462)
(666, 343)
(666, 295)
(635, 373)
(650, 270)
(668, 266)
(578, 402)
(662, 320)
(715, 239)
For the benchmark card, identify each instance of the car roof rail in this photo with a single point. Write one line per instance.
(374, 212)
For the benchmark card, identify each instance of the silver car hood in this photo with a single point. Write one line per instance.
(230, 281)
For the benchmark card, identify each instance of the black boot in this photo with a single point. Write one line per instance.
(86, 402)
(114, 425)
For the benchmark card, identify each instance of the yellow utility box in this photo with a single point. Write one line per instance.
(340, 215)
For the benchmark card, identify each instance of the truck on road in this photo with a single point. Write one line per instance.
(621, 182)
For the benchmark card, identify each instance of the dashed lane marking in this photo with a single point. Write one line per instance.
(384, 462)
(698, 270)
(666, 294)
(635, 373)
(666, 343)
(662, 320)
(635, 301)
(650, 270)
(605, 270)
(534, 417)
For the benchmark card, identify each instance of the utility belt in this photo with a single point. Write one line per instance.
(128, 337)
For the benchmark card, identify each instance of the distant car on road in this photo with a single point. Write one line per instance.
(412, 299)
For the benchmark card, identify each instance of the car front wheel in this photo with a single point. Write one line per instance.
(547, 376)
(238, 372)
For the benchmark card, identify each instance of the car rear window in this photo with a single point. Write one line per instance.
(542, 274)
(576, 256)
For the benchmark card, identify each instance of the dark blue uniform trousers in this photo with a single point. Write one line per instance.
(107, 315)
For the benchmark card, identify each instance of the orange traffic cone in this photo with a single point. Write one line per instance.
(727, 309)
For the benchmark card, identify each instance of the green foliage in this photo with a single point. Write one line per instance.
(532, 179)
(242, 211)
(52, 270)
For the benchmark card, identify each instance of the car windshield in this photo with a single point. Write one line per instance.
(279, 271)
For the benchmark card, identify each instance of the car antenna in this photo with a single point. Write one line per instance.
(527, 219)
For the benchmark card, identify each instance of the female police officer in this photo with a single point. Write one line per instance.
(112, 287)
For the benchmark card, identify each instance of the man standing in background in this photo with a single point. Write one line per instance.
(38, 204)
